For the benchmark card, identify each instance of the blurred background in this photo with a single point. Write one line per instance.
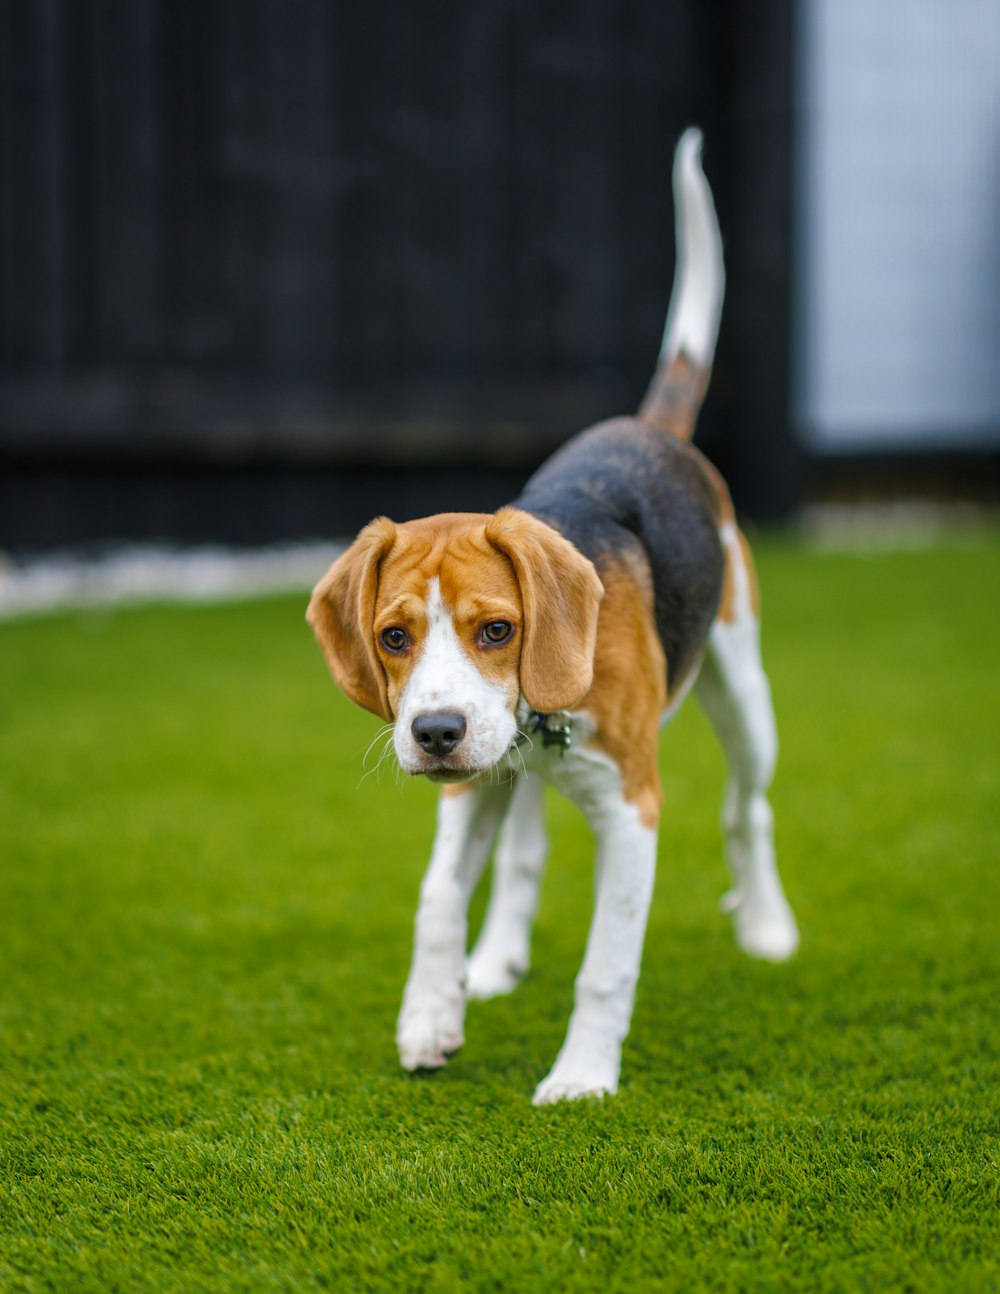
(271, 267)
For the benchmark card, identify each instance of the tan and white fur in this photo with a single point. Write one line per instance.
(616, 583)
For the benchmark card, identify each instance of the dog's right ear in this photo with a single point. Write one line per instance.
(342, 611)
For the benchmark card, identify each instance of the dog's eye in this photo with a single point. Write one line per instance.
(394, 640)
(497, 631)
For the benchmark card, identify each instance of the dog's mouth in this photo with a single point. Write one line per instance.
(442, 773)
(456, 767)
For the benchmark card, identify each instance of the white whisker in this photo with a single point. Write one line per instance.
(385, 736)
(382, 732)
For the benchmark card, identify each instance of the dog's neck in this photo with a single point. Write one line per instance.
(555, 729)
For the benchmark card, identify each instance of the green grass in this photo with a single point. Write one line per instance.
(205, 920)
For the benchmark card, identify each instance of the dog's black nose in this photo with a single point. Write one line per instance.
(438, 732)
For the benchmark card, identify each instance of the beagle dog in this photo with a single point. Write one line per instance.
(547, 643)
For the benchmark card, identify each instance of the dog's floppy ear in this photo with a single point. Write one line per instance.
(561, 594)
(341, 612)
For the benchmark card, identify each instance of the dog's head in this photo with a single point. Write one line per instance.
(443, 624)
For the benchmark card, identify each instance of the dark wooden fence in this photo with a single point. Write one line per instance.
(270, 266)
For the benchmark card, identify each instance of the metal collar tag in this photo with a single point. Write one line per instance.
(555, 729)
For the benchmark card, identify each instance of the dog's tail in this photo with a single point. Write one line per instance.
(682, 372)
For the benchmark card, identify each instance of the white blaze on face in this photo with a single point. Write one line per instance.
(445, 678)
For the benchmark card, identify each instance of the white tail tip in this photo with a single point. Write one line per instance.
(700, 277)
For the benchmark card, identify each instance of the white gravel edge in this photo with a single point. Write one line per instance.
(130, 575)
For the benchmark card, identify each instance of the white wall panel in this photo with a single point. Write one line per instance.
(898, 224)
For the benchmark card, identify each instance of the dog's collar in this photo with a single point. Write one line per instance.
(555, 729)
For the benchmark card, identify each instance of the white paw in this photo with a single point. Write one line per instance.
(763, 929)
(592, 1076)
(554, 1089)
(492, 976)
(428, 1033)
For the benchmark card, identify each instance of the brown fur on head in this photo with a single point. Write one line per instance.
(534, 576)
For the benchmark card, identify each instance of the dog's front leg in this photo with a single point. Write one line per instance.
(590, 1059)
(433, 1012)
(503, 949)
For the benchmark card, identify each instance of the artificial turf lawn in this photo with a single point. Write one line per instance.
(206, 918)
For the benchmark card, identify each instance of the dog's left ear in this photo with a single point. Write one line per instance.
(342, 611)
(561, 593)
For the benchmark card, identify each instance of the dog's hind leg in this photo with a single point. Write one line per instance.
(432, 1016)
(503, 950)
(735, 693)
